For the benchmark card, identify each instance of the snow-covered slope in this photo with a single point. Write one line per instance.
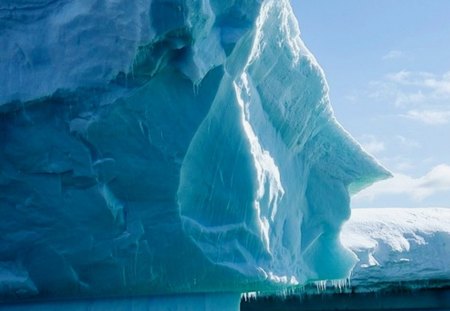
(156, 147)
(396, 245)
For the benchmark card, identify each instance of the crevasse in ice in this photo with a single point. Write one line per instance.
(164, 147)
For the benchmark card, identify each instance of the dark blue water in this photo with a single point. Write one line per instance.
(417, 300)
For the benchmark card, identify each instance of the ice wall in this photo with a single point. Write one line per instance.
(156, 147)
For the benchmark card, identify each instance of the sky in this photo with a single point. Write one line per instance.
(388, 68)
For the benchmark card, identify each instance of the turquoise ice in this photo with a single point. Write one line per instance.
(168, 147)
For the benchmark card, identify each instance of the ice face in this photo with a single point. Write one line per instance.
(161, 147)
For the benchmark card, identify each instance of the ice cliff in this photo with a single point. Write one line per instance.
(167, 147)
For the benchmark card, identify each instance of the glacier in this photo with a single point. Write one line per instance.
(180, 150)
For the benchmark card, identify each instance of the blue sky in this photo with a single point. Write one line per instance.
(388, 67)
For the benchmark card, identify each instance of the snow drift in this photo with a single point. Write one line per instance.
(160, 147)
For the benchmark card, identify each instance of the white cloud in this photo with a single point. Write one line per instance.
(394, 54)
(352, 98)
(420, 96)
(398, 163)
(409, 143)
(410, 78)
(440, 85)
(403, 99)
(426, 81)
(429, 116)
(371, 144)
(435, 181)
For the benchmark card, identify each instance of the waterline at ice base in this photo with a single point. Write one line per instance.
(168, 155)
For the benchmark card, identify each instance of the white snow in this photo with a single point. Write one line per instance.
(398, 245)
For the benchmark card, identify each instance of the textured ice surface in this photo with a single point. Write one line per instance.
(397, 246)
(155, 147)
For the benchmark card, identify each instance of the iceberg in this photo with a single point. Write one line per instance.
(180, 150)
(407, 247)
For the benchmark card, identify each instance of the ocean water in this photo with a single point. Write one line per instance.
(417, 300)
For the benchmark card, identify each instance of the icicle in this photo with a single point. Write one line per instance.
(196, 87)
(321, 286)
(249, 296)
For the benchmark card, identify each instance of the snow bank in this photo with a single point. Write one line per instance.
(397, 245)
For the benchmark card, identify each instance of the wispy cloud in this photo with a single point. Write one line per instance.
(393, 54)
(429, 116)
(398, 163)
(420, 96)
(371, 144)
(407, 142)
(438, 84)
(437, 180)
